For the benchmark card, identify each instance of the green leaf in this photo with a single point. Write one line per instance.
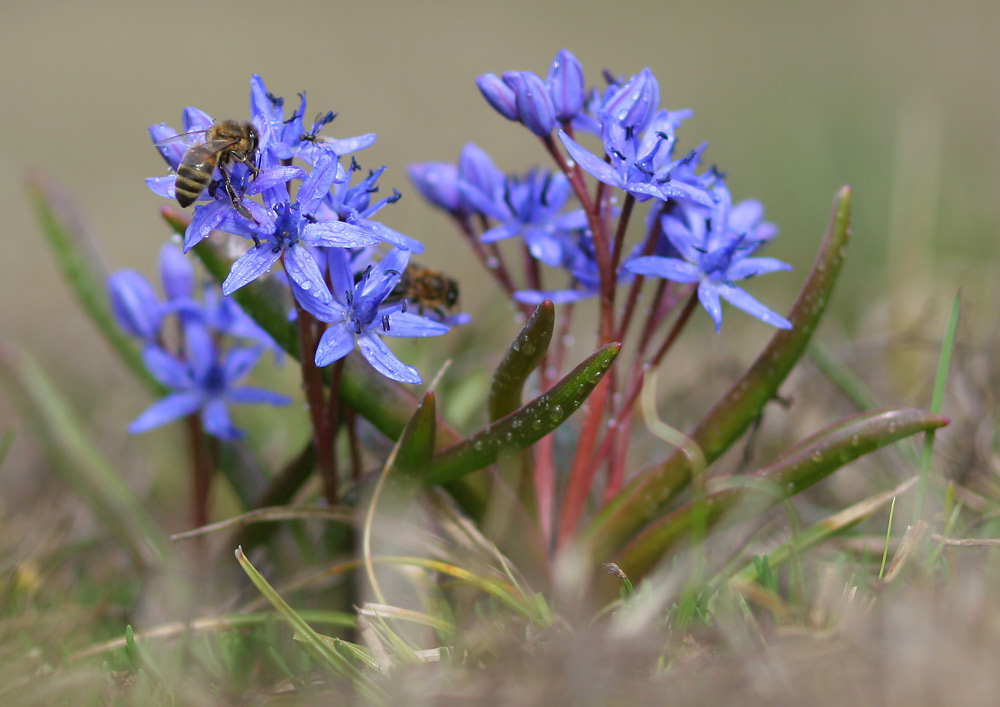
(525, 426)
(654, 487)
(521, 358)
(416, 446)
(78, 462)
(798, 468)
(77, 255)
(323, 651)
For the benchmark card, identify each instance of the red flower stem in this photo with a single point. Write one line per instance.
(633, 295)
(312, 381)
(602, 248)
(583, 470)
(623, 219)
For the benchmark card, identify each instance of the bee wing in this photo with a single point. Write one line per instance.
(195, 136)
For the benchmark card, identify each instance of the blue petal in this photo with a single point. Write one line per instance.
(337, 341)
(304, 272)
(388, 235)
(135, 304)
(254, 263)
(534, 105)
(557, 296)
(317, 185)
(591, 163)
(742, 300)
(407, 324)
(176, 273)
(338, 234)
(200, 350)
(499, 95)
(347, 145)
(438, 183)
(384, 361)
(239, 361)
(249, 395)
(566, 85)
(163, 186)
(166, 369)
(168, 409)
(666, 268)
(215, 420)
(749, 267)
(196, 120)
(206, 219)
(709, 298)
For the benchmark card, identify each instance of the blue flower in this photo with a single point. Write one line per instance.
(530, 206)
(291, 227)
(203, 382)
(353, 205)
(642, 163)
(291, 139)
(714, 246)
(357, 316)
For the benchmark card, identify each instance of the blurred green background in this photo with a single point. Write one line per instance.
(898, 99)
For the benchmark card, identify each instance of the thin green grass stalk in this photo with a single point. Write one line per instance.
(816, 534)
(940, 381)
(888, 534)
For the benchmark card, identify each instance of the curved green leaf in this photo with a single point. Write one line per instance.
(526, 425)
(521, 358)
(653, 488)
(77, 255)
(798, 468)
(416, 446)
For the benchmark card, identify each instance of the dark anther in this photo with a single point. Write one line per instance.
(609, 77)
(354, 165)
(545, 189)
(629, 132)
(507, 196)
(644, 169)
(618, 154)
(357, 325)
(277, 101)
(385, 322)
(396, 196)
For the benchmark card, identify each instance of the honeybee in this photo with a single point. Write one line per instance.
(226, 142)
(426, 289)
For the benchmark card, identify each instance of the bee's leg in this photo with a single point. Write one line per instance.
(236, 200)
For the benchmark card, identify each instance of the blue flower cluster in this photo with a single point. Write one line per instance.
(694, 233)
(318, 234)
(216, 345)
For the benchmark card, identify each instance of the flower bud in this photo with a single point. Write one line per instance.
(534, 106)
(499, 95)
(134, 304)
(566, 85)
(634, 104)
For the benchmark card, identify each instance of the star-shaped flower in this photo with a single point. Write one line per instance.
(715, 245)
